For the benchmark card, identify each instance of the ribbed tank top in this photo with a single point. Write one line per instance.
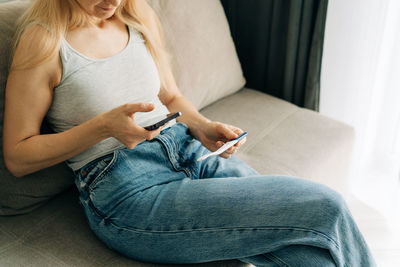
(91, 86)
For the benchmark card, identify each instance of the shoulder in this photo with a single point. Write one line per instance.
(37, 50)
(31, 41)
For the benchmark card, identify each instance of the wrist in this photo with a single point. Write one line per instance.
(102, 127)
(199, 128)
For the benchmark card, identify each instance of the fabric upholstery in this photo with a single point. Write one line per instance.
(57, 234)
(285, 139)
(21, 195)
(206, 66)
(282, 139)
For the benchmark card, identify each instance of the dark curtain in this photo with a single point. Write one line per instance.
(279, 43)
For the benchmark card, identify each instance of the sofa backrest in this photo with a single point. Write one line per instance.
(205, 66)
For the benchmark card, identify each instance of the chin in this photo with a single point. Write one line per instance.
(105, 16)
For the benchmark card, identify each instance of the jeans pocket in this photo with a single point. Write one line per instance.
(101, 167)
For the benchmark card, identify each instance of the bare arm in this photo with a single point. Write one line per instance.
(29, 95)
(212, 134)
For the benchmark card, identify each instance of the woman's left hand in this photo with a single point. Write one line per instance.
(213, 135)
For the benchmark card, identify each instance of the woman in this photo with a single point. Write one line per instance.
(97, 70)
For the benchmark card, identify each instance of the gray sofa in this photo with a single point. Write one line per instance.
(43, 223)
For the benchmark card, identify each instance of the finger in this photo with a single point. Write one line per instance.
(132, 108)
(241, 142)
(225, 155)
(149, 135)
(155, 132)
(218, 144)
(228, 153)
(226, 132)
(141, 132)
(231, 150)
(163, 126)
(234, 150)
(237, 131)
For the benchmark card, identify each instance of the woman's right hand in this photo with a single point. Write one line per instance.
(120, 124)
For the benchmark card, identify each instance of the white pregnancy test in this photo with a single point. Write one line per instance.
(223, 148)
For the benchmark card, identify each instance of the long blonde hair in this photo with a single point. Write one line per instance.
(60, 16)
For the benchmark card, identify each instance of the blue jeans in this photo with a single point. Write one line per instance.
(156, 203)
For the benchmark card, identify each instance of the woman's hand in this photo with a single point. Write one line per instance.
(120, 124)
(213, 135)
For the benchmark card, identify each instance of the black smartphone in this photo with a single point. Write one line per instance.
(160, 123)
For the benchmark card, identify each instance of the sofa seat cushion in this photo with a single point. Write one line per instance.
(57, 234)
(285, 139)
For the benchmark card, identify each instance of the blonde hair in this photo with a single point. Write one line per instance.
(60, 16)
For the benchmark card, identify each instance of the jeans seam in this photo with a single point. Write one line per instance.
(224, 229)
(170, 149)
(105, 171)
(95, 211)
(275, 259)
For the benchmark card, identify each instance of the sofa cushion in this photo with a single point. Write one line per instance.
(21, 195)
(57, 234)
(205, 64)
(285, 139)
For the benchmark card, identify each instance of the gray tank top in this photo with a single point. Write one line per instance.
(92, 86)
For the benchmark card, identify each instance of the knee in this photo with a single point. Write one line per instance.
(331, 204)
(315, 196)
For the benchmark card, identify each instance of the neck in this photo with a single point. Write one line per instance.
(100, 23)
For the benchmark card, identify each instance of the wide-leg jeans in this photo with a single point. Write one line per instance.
(156, 203)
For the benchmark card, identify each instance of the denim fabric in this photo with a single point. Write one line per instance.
(156, 203)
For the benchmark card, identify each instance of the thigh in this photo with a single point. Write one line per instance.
(114, 192)
(183, 151)
(218, 167)
(212, 219)
(213, 167)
